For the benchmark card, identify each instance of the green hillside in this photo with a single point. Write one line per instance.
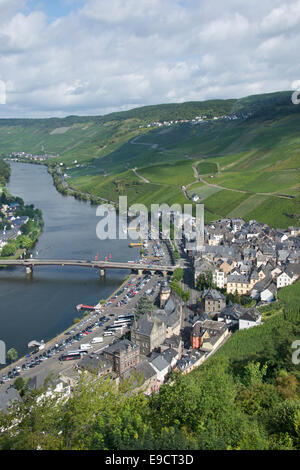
(246, 167)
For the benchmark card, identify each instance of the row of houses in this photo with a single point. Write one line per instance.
(15, 156)
(11, 224)
(248, 258)
(213, 307)
(198, 120)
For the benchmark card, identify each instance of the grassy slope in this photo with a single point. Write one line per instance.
(256, 155)
(252, 342)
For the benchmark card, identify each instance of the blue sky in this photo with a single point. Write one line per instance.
(54, 8)
(61, 57)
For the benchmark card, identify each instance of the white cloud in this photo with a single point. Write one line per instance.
(283, 18)
(8, 8)
(224, 29)
(23, 32)
(117, 54)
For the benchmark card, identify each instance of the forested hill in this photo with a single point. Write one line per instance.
(160, 112)
(89, 137)
(171, 111)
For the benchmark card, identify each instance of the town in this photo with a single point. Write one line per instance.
(24, 156)
(10, 223)
(20, 226)
(198, 120)
(155, 325)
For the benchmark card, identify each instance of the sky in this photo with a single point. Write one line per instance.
(90, 57)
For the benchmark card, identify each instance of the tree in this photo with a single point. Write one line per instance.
(27, 228)
(246, 299)
(19, 383)
(12, 354)
(144, 305)
(24, 242)
(257, 398)
(287, 384)
(183, 294)
(285, 418)
(205, 281)
(9, 249)
(254, 373)
(234, 298)
(3, 198)
(178, 274)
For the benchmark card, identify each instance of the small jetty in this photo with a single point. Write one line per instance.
(85, 307)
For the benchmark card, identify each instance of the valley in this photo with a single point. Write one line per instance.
(240, 157)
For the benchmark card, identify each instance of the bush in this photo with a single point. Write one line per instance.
(9, 249)
(184, 295)
(178, 274)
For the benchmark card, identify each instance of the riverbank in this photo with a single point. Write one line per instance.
(62, 335)
(20, 225)
(44, 305)
(62, 187)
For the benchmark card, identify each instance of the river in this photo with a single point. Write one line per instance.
(41, 306)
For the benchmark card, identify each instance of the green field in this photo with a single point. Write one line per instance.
(203, 191)
(259, 182)
(223, 202)
(178, 174)
(277, 212)
(207, 168)
(127, 184)
(247, 205)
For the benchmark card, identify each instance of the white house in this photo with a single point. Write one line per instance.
(250, 318)
(268, 294)
(219, 278)
(294, 231)
(215, 238)
(285, 279)
(161, 366)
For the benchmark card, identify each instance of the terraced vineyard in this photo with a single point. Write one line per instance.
(247, 167)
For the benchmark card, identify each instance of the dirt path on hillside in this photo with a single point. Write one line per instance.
(244, 157)
(281, 196)
(133, 141)
(195, 170)
(140, 176)
(200, 179)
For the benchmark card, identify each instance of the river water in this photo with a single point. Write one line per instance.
(41, 306)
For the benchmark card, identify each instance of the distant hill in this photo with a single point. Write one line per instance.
(42, 135)
(253, 153)
(151, 113)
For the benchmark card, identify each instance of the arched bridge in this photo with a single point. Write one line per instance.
(29, 264)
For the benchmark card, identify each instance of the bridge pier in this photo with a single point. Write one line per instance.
(29, 270)
(140, 272)
(165, 273)
(102, 272)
